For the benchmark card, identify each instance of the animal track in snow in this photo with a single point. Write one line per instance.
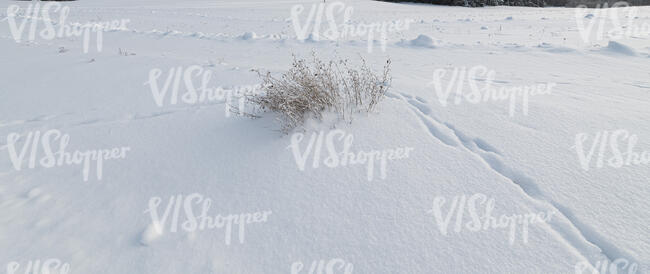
(579, 235)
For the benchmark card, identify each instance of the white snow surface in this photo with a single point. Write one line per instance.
(527, 163)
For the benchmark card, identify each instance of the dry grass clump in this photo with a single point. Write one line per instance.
(312, 88)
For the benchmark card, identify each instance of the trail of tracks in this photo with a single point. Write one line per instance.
(571, 230)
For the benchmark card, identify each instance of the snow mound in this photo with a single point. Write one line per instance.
(248, 36)
(197, 34)
(150, 234)
(554, 48)
(422, 41)
(619, 48)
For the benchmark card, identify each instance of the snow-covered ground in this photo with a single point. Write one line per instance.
(425, 214)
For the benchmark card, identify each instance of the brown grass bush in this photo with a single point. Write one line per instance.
(312, 88)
